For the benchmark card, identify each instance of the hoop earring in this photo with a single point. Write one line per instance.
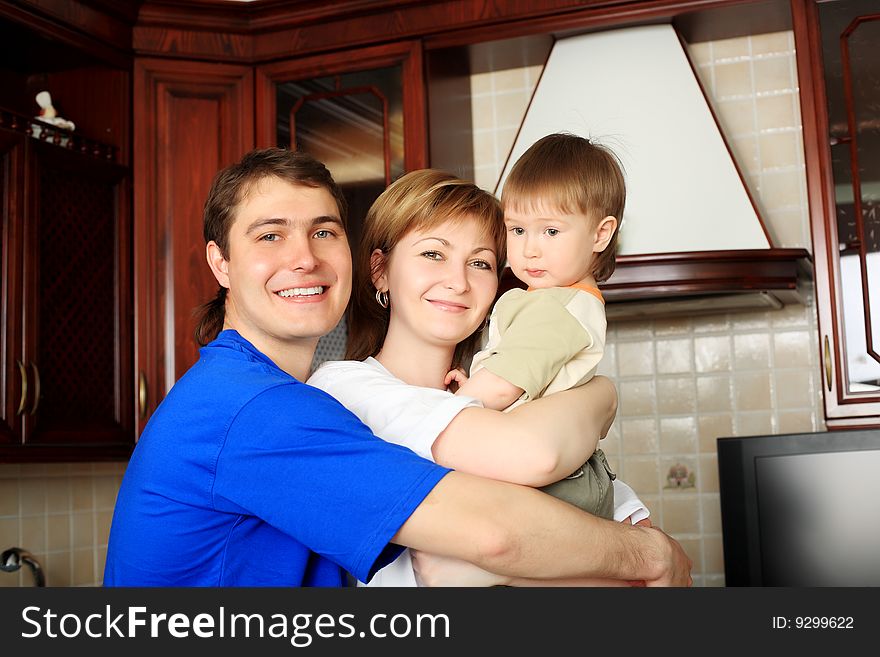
(382, 298)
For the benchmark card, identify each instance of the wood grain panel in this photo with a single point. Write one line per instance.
(191, 119)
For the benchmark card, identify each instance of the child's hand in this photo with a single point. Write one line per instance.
(458, 376)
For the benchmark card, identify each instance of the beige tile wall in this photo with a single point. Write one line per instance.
(61, 514)
(685, 382)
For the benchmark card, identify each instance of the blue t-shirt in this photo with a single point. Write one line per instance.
(245, 476)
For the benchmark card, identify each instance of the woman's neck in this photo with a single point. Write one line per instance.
(415, 362)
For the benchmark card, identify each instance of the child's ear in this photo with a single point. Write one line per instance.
(604, 233)
(218, 264)
(377, 270)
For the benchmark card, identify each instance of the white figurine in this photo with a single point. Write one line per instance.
(48, 114)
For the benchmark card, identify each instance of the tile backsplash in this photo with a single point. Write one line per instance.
(685, 382)
(61, 514)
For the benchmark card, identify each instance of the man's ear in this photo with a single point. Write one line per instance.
(377, 270)
(218, 264)
(604, 233)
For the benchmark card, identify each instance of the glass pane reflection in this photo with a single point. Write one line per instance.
(353, 123)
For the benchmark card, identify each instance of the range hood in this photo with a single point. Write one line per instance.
(692, 240)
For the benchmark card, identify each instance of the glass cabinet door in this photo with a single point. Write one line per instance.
(850, 32)
(353, 123)
(362, 113)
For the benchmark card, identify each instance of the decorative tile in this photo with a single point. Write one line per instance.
(680, 475)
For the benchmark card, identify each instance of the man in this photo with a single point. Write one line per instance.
(245, 476)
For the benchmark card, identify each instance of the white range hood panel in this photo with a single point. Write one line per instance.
(634, 91)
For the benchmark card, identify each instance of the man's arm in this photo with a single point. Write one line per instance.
(517, 531)
(536, 443)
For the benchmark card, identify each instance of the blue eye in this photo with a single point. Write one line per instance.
(270, 237)
(323, 234)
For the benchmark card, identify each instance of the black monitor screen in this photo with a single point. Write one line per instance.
(801, 509)
(819, 518)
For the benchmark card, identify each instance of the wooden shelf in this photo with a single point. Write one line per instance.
(46, 132)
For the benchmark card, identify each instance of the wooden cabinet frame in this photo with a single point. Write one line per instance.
(408, 54)
(842, 408)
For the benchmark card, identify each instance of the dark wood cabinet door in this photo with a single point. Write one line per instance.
(66, 302)
(191, 119)
(13, 375)
(838, 70)
(78, 320)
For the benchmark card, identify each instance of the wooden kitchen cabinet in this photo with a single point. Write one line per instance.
(838, 69)
(66, 344)
(191, 119)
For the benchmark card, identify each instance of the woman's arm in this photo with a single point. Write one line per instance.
(535, 444)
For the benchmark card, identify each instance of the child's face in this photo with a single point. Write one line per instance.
(550, 248)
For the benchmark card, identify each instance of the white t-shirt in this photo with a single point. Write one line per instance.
(414, 416)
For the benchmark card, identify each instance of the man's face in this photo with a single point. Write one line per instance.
(289, 266)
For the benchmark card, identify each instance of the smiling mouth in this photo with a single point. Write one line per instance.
(448, 306)
(302, 292)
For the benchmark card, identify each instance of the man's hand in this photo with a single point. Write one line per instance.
(677, 564)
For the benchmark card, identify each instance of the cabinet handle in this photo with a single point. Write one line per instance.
(36, 388)
(827, 363)
(24, 387)
(142, 395)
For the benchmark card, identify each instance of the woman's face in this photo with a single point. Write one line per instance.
(441, 281)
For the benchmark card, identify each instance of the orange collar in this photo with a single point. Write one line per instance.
(583, 288)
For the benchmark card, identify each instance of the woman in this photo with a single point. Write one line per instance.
(426, 274)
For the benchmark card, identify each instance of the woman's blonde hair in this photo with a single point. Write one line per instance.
(418, 200)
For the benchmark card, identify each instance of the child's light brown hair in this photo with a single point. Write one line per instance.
(575, 175)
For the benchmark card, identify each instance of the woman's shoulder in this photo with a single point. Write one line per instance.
(333, 371)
